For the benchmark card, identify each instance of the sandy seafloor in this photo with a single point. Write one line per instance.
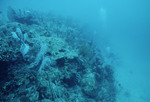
(134, 77)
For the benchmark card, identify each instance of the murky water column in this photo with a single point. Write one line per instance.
(128, 35)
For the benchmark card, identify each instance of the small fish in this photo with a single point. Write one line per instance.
(0, 12)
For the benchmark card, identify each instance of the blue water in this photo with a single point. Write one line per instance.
(119, 27)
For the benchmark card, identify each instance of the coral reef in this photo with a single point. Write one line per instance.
(51, 61)
(21, 16)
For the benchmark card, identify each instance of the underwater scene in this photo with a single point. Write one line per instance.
(74, 51)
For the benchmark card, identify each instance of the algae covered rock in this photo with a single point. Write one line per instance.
(89, 85)
(59, 49)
